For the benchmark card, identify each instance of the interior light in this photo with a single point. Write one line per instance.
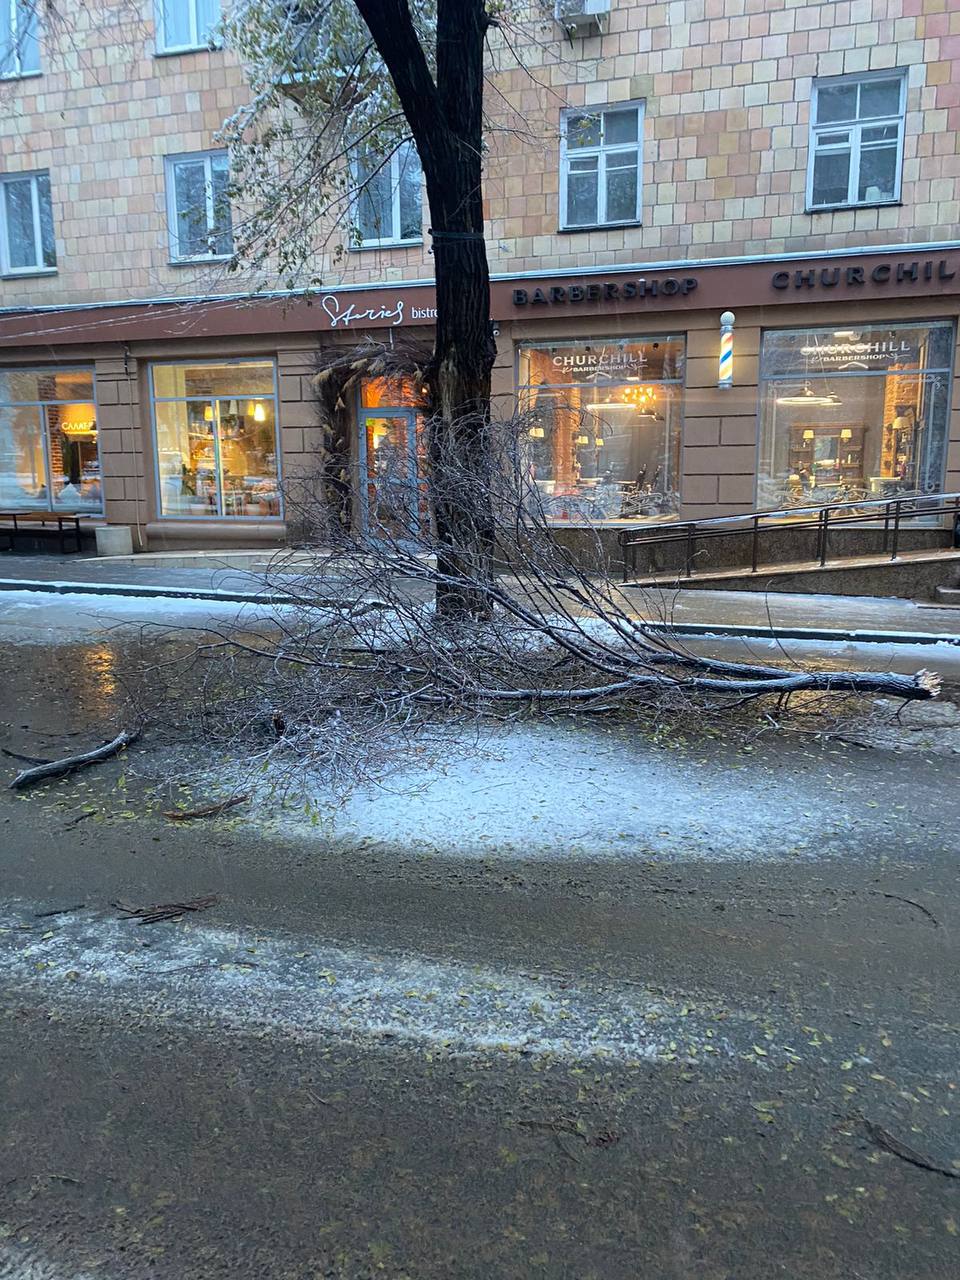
(208, 413)
(846, 335)
(536, 433)
(259, 412)
(808, 434)
(846, 434)
(598, 442)
(808, 397)
(582, 439)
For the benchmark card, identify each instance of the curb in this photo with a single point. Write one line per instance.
(692, 629)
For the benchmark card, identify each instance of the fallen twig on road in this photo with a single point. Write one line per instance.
(166, 910)
(208, 811)
(16, 755)
(58, 911)
(897, 1148)
(57, 768)
(895, 897)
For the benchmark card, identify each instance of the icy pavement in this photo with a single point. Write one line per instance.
(307, 991)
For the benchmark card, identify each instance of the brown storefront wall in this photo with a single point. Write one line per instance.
(719, 443)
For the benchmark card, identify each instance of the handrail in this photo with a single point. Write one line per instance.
(892, 511)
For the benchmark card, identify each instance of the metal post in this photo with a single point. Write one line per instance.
(756, 544)
(689, 550)
(896, 530)
(886, 527)
(824, 516)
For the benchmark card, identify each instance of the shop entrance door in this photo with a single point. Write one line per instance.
(392, 489)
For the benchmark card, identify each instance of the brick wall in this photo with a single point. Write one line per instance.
(726, 85)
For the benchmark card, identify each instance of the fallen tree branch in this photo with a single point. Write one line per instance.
(58, 911)
(57, 768)
(899, 1149)
(209, 811)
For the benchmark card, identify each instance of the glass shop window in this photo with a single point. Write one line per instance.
(602, 428)
(216, 439)
(853, 413)
(49, 459)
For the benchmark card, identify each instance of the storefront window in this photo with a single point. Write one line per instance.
(603, 427)
(49, 458)
(216, 439)
(393, 446)
(853, 413)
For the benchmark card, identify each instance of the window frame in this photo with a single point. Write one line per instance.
(39, 268)
(170, 183)
(393, 162)
(601, 151)
(195, 362)
(19, 73)
(195, 46)
(855, 129)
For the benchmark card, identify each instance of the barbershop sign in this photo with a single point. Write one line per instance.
(609, 291)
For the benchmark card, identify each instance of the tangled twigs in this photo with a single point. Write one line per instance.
(166, 910)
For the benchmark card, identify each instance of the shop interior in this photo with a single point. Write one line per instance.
(851, 433)
(49, 456)
(217, 440)
(603, 429)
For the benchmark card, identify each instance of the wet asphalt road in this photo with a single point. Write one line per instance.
(257, 1092)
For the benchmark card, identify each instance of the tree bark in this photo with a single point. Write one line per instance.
(446, 120)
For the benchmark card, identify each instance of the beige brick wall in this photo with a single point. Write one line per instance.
(727, 90)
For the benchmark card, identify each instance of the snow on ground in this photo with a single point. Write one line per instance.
(569, 791)
(243, 981)
(39, 617)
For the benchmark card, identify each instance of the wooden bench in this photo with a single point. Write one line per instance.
(34, 523)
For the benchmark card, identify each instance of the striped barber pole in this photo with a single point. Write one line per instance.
(725, 377)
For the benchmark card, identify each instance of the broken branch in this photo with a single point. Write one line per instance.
(57, 768)
(208, 811)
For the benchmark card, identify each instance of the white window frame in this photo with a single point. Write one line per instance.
(393, 164)
(169, 165)
(855, 129)
(13, 8)
(38, 268)
(196, 43)
(601, 151)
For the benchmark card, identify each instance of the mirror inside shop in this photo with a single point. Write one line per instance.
(216, 431)
(602, 428)
(853, 415)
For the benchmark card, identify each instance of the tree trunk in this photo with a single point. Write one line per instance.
(446, 120)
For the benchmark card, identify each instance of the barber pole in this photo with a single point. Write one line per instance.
(725, 378)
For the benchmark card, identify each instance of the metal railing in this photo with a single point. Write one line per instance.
(890, 512)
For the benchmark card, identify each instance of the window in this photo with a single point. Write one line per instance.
(216, 439)
(853, 413)
(856, 140)
(388, 199)
(19, 39)
(49, 460)
(27, 243)
(603, 428)
(186, 24)
(600, 157)
(198, 206)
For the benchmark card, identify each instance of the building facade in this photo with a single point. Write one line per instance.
(795, 164)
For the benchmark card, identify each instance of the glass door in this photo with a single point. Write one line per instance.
(391, 486)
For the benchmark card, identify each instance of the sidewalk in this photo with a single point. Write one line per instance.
(688, 612)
